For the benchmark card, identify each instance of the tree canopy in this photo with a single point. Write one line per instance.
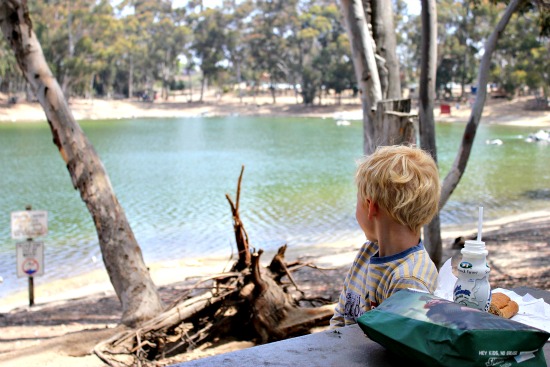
(121, 49)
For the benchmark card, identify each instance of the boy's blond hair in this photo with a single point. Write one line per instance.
(404, 181)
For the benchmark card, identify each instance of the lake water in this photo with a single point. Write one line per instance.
(171, 177)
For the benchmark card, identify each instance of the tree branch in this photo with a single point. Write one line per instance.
(461, 160)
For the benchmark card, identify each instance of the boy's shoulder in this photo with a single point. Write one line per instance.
(369, 248)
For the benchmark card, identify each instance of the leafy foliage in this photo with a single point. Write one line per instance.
(101, 49)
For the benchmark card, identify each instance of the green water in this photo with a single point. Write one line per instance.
(171, 177)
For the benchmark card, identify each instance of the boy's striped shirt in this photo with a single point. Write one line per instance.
(371, 279)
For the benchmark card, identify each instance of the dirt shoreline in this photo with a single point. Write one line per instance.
(72, 315)
(519, 112)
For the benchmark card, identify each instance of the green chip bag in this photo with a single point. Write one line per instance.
(436, 332)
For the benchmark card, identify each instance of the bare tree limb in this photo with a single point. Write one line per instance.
(461, 160)
(241, 237)
(279, 268)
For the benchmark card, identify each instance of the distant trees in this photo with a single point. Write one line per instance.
(521, 61)
(77, 42)
(107, 50)
(210, 43)
(463, 27)
(323, 50)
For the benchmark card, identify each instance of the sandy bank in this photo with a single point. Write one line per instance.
(516, 112)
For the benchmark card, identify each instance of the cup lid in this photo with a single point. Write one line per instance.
(475, 247)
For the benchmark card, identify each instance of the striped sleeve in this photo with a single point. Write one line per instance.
(353, 300)
(337, 319)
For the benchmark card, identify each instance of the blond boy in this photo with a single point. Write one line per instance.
(398, 192)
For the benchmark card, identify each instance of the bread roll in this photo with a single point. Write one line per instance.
(510, 309)
(499, 300)
(503, 306)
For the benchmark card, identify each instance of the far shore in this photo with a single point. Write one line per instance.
(519, 112)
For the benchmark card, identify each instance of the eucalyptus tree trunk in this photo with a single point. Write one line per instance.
(426, 125)
(121, 253)
(131, 77)
(190, 86)
(386, 48)
(377, 71)
(364, 64)
(459, 166)
(66, 80)
(203, 86)
(90, 90)
(273, 91)
(239, 80)
(166, 74)
(394, 125)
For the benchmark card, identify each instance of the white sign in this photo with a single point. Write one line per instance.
(30, 258)
(29, 224)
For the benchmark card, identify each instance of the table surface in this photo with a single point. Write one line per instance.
(345, 346)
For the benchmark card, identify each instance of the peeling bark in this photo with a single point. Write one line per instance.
(364, 64)
(386, 46)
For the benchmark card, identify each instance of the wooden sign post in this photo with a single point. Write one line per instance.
(30, 254)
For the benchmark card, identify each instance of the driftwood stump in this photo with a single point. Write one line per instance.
(249, 303)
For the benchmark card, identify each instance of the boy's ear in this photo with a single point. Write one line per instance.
(372, 208)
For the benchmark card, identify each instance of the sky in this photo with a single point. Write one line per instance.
(413, 6)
